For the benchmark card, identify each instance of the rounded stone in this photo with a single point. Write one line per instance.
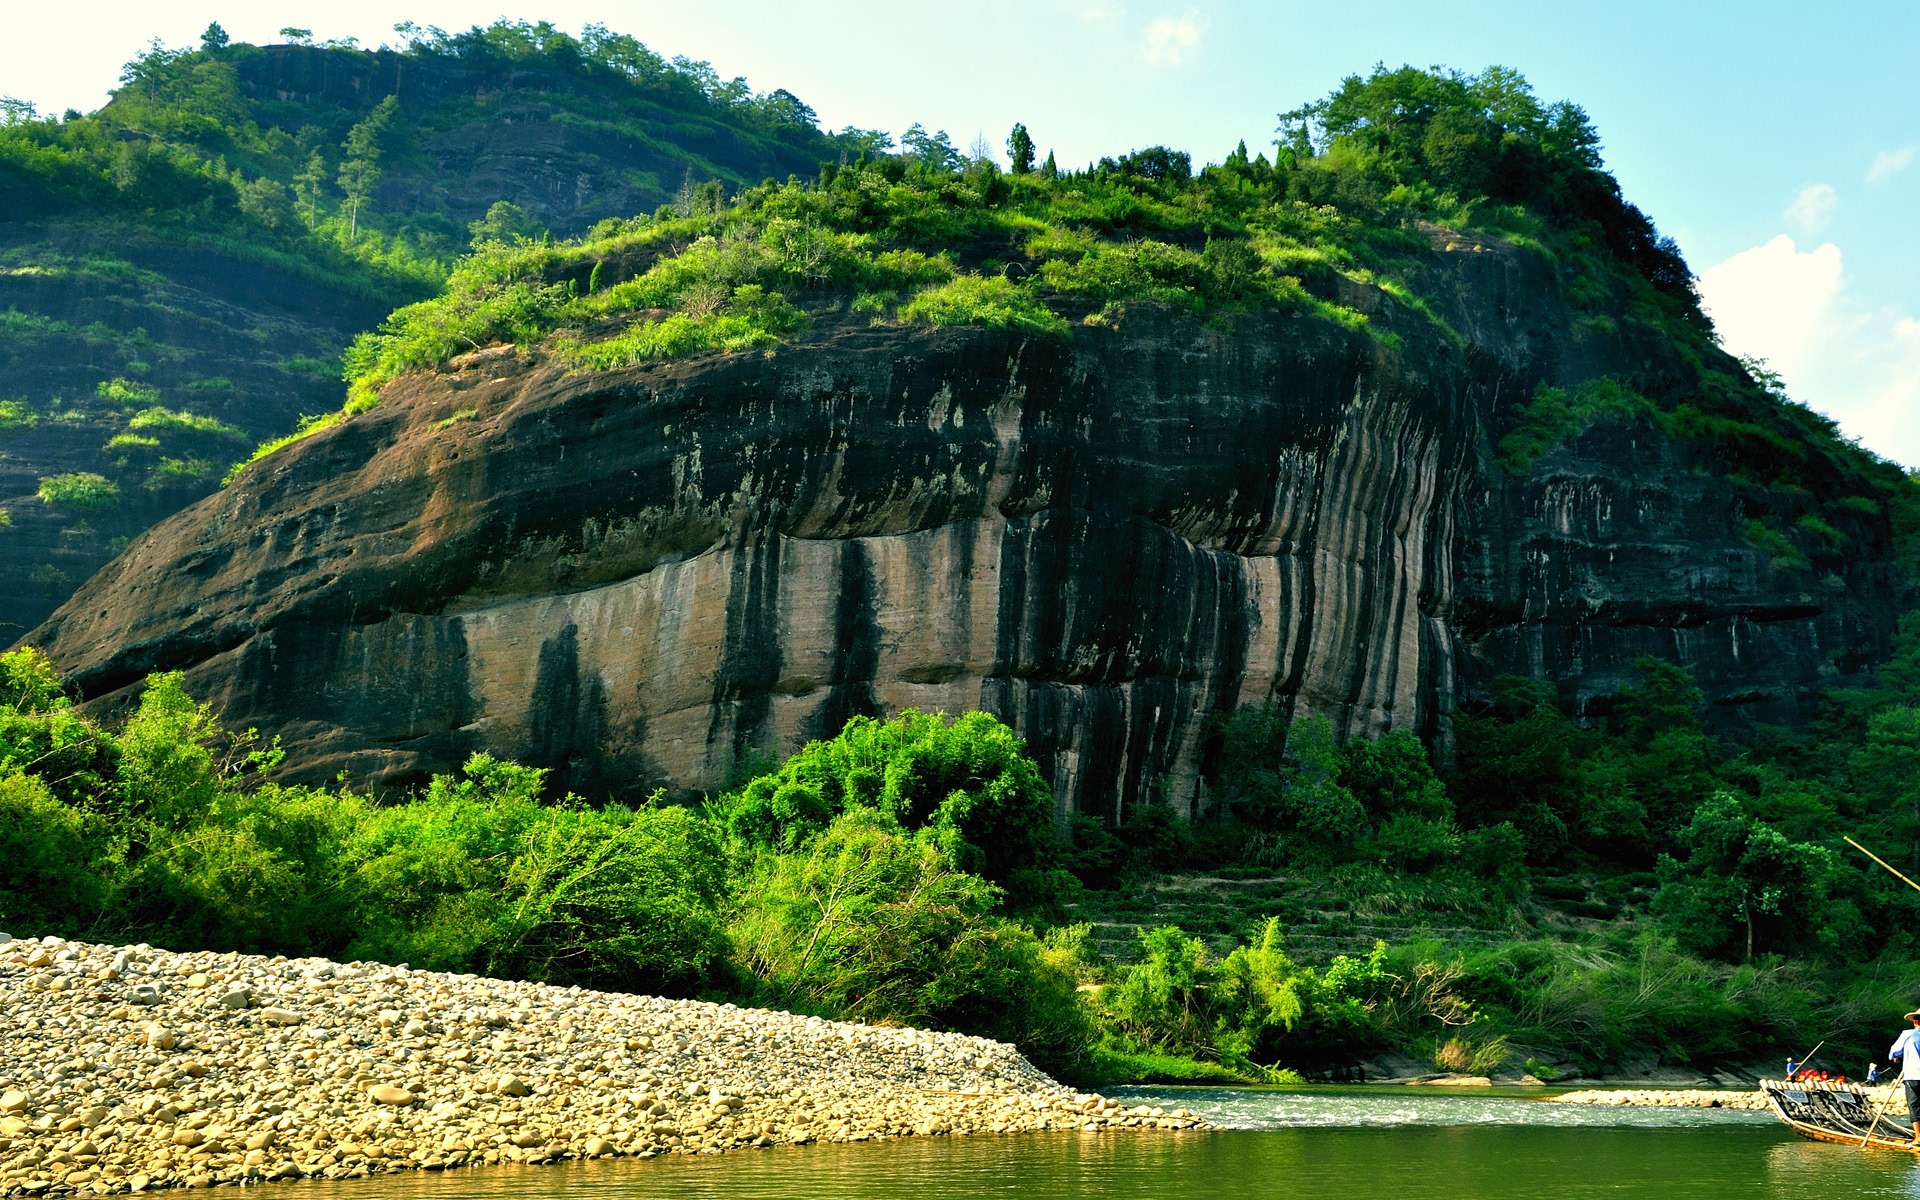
(386, 1093)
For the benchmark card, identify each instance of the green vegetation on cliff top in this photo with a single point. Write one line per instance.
(1364, 188)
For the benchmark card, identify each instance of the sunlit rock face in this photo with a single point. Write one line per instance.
(641, 577)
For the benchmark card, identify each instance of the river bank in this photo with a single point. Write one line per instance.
(126, 1068)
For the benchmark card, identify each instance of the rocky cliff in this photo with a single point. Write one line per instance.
(638, 576)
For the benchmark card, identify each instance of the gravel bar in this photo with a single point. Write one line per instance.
(127, 1069)
(1665, 1098)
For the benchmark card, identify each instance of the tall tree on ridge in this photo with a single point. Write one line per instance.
(360, 165)
(1020, 149)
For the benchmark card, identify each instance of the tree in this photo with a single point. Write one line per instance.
(265, 200)
(969, 784)
(360, 164)
(935, 151)
(504, 224)
(1020, 149)
(310, 185)
(298, 37)
(1739, 870)
(1048, 170)
(1282, 779)
(14, 111)
(213, 37)
(1888, 769)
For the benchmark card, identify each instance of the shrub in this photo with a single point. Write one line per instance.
(15, 415)
(752, 320)
(169, 472)
(477, 875)
(993, 302)
(127, 392)
(82, 490)
(969, 784)
(161, 419)
(1554, 417)
(872, 923)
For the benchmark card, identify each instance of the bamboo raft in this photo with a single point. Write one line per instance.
(1841, 1113)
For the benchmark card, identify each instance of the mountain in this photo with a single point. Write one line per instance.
(180, 271)
(1419, 405)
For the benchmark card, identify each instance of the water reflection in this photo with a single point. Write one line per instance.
(1798, 1168)
(1329, 1107)
(1422, 1156)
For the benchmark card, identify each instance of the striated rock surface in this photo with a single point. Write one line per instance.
(636, 577)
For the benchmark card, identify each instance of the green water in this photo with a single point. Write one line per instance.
(1323, 1145)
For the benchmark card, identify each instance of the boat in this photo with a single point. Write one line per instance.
(1845, 1114)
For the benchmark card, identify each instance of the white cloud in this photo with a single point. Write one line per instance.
(1793, 308)
(1889, 163)
(1170, 40)
(1812, 208)
(1097, 12)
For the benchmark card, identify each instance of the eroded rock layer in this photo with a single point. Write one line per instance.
(638, 577)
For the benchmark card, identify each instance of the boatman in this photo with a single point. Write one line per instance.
(1906, 1049)
(1873, 1074)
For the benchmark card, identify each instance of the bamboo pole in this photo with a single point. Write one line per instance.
(1809, 1058)
(1879, 1114)
(1916, 887)
(1883, 862)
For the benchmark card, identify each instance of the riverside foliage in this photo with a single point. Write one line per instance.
(908, 871)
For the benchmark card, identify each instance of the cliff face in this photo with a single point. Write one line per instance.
(638, 576)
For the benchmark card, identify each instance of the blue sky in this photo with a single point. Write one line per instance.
(1779, 142)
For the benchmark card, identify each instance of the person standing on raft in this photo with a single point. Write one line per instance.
(1906, 1051)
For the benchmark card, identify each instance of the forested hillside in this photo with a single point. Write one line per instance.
(180, 270)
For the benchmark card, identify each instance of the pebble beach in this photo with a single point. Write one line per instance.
(130, 1068)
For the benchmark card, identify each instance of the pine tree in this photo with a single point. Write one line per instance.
(1048, 170)
(214, 37)
(1020, 149)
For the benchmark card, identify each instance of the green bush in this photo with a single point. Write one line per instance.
(968, 784)
(82, 490)
(162, 420)
(992, 302)
(477, 875)
(16, 415)
(1554, 417)
(127, 392)
(872, 922)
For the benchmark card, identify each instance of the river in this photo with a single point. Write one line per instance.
(1323, 1143)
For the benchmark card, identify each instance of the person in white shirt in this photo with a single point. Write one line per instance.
(1906, 1052)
